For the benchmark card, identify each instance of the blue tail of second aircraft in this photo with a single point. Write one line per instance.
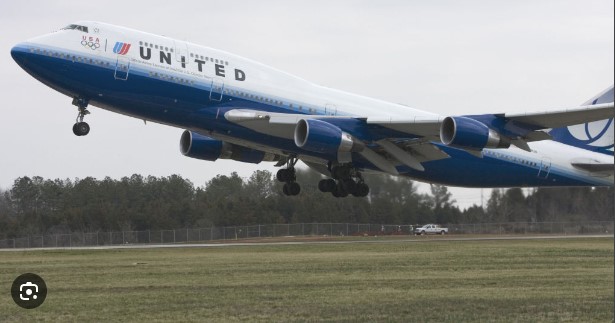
(594, 136)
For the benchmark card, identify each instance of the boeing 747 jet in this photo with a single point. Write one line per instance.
(235, 108)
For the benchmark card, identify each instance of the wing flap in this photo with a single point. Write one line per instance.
(423, 150)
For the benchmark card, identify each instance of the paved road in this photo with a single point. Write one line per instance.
(291, 243)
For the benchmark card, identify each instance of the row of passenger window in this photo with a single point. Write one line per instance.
(154, 46)
(73, 58)
(252, 97)
(205, 58)
(171, 78)
(512, 158)
(241, 94)
(193, 55)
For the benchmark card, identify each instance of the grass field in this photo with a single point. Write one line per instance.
(440, 281)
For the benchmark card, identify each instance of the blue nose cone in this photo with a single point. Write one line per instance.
(19, 53)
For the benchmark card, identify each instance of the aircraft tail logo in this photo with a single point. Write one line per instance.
(594, 136)
(121, 48)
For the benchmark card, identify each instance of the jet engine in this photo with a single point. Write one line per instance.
(202, 147)
(468, 133)
(322, 137)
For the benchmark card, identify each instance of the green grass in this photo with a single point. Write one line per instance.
(439, 281)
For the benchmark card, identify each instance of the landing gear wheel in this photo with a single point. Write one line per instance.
(346, 179)
(289, 177)
(81, 128)
(361, 190)
(291, 189)
(294, 188)
(326, 185)
(349, 186)
(286, 175)
(339, 191)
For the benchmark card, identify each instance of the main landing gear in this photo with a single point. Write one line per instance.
(289, 178)
(346, 180)
(81, 128)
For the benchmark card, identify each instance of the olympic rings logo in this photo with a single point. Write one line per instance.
(92, 45)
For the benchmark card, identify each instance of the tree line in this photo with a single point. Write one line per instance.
(45, 206)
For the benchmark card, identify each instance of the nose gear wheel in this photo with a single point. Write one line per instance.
(81, 128)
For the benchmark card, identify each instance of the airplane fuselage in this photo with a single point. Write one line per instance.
(184, 85)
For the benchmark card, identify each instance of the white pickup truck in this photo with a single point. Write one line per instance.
(431, 229)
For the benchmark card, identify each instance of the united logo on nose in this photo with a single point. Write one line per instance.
(121, 48)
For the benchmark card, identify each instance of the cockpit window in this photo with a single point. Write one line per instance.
(76, 27)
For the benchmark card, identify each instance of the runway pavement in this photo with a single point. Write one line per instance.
(426, 239)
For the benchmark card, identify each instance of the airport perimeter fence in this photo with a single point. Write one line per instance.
(192, 235)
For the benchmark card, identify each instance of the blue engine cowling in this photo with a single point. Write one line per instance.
(468, 133)
(202, 147)
(322, 137)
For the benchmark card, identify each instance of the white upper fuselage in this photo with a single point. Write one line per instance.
(216, 64)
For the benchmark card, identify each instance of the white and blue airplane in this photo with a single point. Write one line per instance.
(236, 108)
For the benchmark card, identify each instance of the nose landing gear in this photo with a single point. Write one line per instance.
(81, 128)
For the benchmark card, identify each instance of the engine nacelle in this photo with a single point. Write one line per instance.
(468, 133)
(322, 137)
(202, 147)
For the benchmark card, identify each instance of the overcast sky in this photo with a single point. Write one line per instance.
(448, 57)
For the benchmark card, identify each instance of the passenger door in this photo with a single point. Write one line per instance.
(121, 49)
(122, 68)
(217, 89)
(181, 53)
(330, 109)
(545, 168)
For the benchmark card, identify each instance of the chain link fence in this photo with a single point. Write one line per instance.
(188, 235)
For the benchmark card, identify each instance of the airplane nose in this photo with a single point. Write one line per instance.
(18, 52)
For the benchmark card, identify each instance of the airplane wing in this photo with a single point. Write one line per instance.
(597, 168)
(283, 124)
(411, 140)
(564, 117)
(411, 147)
(520, 128)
